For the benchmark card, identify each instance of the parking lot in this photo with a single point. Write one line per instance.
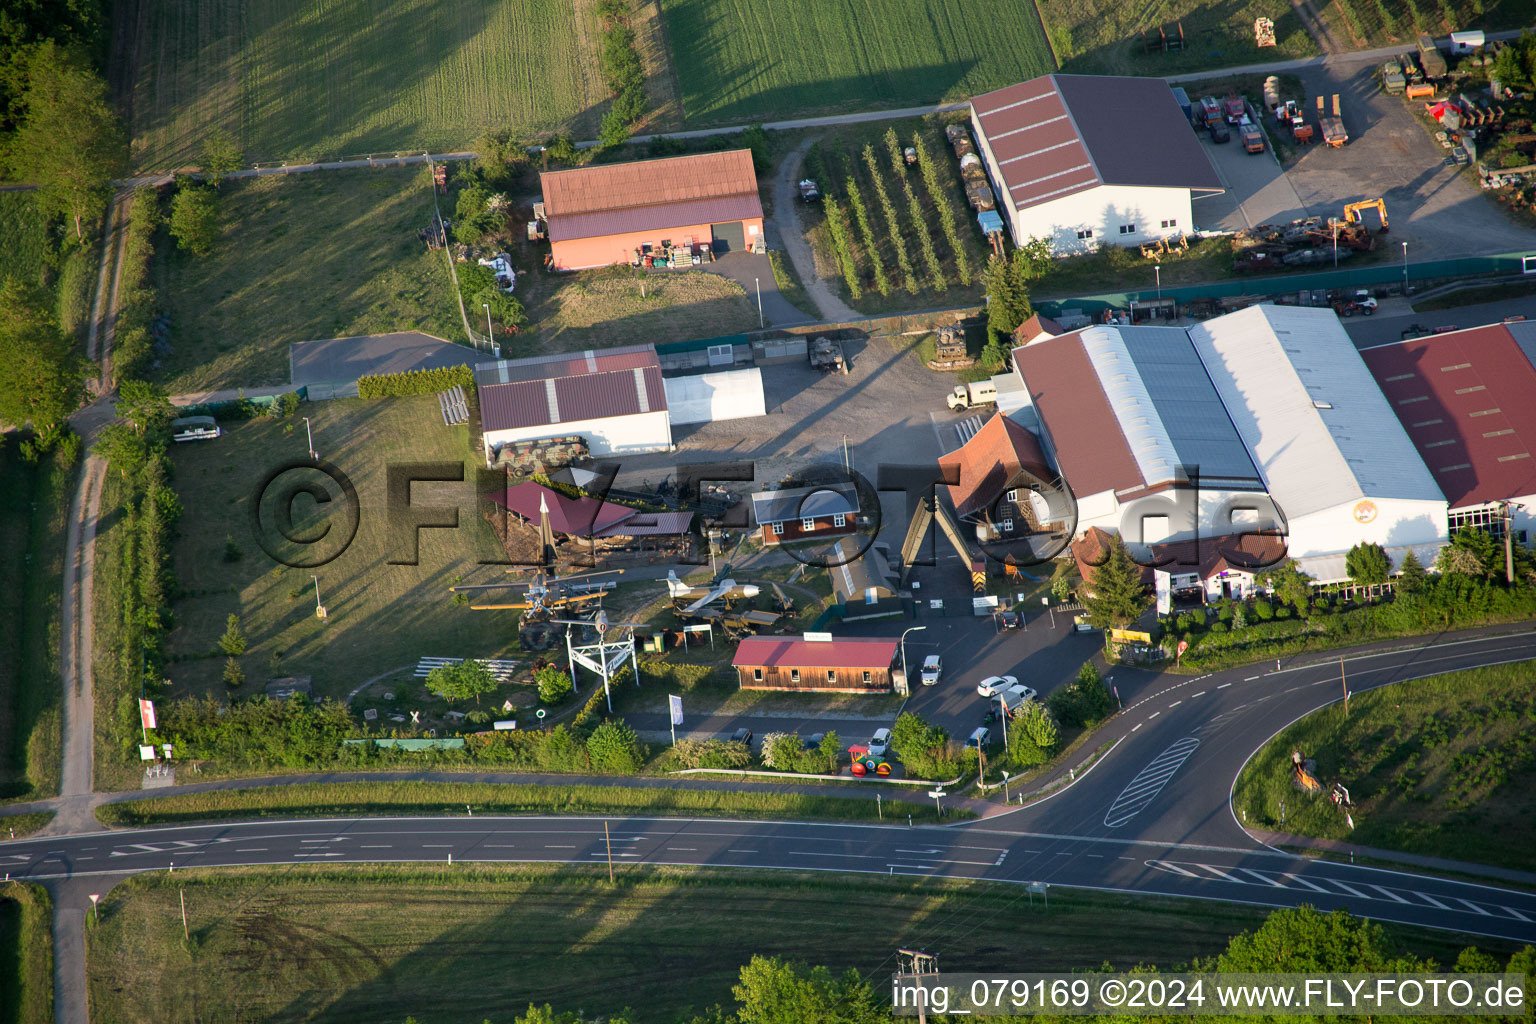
(1432, 204)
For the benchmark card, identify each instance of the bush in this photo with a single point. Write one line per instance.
(554, 685)
(415, 382)
(233, 641)
(1283, 612)
(1218, 627)
(232, 552)
(613, 747)
(924, 750)
(1263, 610)
(234, 675)
(710, 754)
(1086, 701)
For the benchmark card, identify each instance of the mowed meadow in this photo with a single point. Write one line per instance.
(738, 61)
(306, 79)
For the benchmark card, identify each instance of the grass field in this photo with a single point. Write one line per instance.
(31, 255)
(738, 62)
(1103, 37)
(25, 250)
(34, 508)
(381, 616)
(378, 944)
(451, 798)
(306, 79)
(312, 256)
(26, 954)
(1444, 766)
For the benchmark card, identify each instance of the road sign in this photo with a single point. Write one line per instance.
(540, 713)
(821, 638)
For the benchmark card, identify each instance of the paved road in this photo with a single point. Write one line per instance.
(1387, 326)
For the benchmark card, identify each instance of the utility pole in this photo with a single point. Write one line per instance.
(1509, 544)
(185, 931)
(309, 432)
(916, 964)
(1345, 684)
(609, 843)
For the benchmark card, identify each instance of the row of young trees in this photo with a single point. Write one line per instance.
(623, 71)
(939, 195)
(915, 211)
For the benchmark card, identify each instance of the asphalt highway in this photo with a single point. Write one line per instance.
(1152, 816)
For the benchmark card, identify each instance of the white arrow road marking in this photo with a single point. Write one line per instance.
(924, 852)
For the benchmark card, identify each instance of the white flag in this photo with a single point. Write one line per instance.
(676, 704)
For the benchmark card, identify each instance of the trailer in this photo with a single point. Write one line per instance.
(1182, 99)
(1431, 58)
(1332, 125)
(1392, 80)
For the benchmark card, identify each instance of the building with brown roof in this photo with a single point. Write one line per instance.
(602, 214)
(614, 398)
(1085, 160)
(1468, 402)
(1004, 484)
(843, 665)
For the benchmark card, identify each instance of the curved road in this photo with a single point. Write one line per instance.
(1152, 817)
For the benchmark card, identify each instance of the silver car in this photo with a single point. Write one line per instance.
(994, 685)
(880, 742)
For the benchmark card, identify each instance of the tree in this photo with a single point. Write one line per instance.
(478, 286)
(1007, 299)
(42, 380)
(554, 685)
(195, 218)
(221, 155)
(147, 407)
(1515, 65)
(472, 216)
(459, 681)
(234, 675)
(1304, 939)
(614, 748)
(69, 141)
(755, 138)
(1471, 552)
(1289, 583)
(1031, 260)
(1117, 596)
(1367, 564)
(233, 641)
(1411, 576)
(773, 991)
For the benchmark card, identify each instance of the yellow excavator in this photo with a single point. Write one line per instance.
(1353, 211)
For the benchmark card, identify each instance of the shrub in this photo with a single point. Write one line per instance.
(232, 552)
(613, 747)
(1084, 701)
(1218, 627)
(1263, 610)
(842, 246)
(710, 754)
(554, 685)
(234, 675)
(781, 750)
(233, 641)
(1283, 612)
(415, 382)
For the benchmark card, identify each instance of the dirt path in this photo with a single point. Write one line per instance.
(99, 336)
(791, 235)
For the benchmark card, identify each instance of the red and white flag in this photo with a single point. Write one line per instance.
(146, 713)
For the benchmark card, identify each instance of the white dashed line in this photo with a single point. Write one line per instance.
(1153, 715)
(253, 849)
(1138, 725)
(1250, 679)
(1174, 704)
(1194, 695)
(1223, 686)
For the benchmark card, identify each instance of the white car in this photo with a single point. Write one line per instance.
(880, 742)
(981, 739)
(931, 669)
(1016, 695)
(994, 685)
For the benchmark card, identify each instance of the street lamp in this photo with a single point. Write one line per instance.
(904, 674)
(489, 330)
(309, 433)
(1405, 268)
(1157, 268)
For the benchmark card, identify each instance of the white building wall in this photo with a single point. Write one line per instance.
(1104, 211)
(609, 435)
(1390, 522)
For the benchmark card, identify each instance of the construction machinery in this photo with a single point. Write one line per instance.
(1290, 115)
(1393, 81)
(1332, 124)
(1165, 246)
(1353, 213)
(1348, 303)
(1263, 32)
(1419, 91)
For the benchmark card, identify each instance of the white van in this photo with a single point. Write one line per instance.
(194, 428)
(981, 739)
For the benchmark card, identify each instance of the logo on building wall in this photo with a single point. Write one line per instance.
(1365, 512)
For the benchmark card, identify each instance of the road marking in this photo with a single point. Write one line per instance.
(1303, 881)
(1165, 866)
(1202, 693)
(1127, 858)
(740, 851)
(600, 853)
(923, 852)
(845, 856)
(1262, 877)
(1223, 686)
(253, 849)
(1149, 782)
(1389, 894)
(682, 849)
(1095, 856)
(1516, 913)
(1349, 889)
(1430, 899)
(1153, 715)
(320, 853)
(1250, 679)
(316, 840)
(548, 847)
(915, 867)
(444, 846)
(1174, 704)
(1229, 877)
(492, 846)
(383, 846)
(1138, 725)
(1472, 906)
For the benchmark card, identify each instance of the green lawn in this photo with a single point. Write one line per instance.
(1103, 37)
(381, 616)
(377, 944)
(32, 253)
(1444, 766)
(311, 256)
(311, 80)
(34, 508)
(738, 61)
(26, 954)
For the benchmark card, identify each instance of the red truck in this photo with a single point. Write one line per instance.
(1234, 107)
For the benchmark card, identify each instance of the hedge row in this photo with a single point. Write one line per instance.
(415, 382)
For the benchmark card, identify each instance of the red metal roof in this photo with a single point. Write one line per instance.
(1468, 402)
(648, 195)
(1059, 134)
(577, 517)
(1091, 452)
(649, 524)
(567, 388)
(796, 652)
(990, 461)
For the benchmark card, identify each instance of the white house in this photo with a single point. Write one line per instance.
(1084, 160)
(615, 398)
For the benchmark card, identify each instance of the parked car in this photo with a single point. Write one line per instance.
(1446, 328)
(932, 667)
(1016, 695)
(1080, 624)
(1008, 620)
(994, 685)
(1514, 318)
(1220, 132)
(880, 742)
(981, 738)
(742, 736)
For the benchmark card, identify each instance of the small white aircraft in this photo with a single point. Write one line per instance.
(730, 590)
